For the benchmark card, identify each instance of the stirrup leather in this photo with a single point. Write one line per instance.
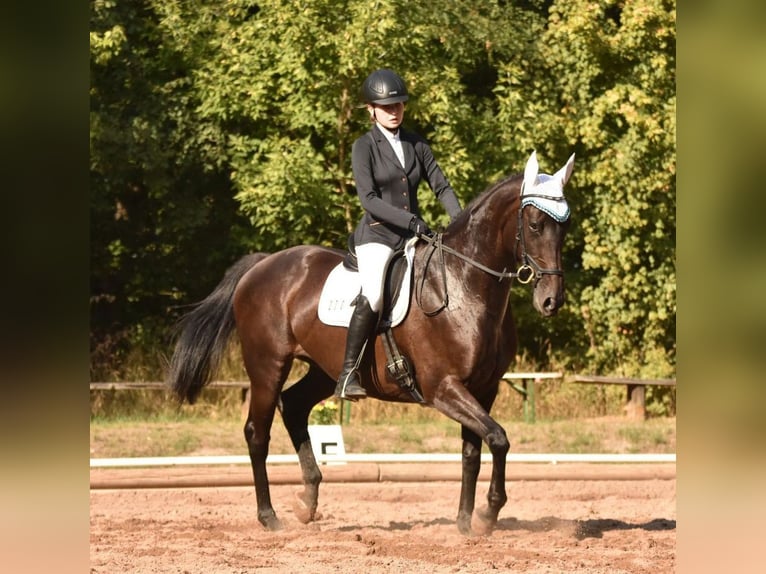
(399, 367)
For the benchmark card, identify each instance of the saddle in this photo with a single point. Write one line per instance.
(343, 285)
(339, 294)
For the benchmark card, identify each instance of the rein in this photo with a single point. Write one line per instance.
(527, 271)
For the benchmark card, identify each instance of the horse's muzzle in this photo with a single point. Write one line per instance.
(548, 301)
(550, 306)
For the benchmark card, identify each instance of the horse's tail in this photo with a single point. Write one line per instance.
(203, 333)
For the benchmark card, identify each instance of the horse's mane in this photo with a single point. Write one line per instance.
(504, 186)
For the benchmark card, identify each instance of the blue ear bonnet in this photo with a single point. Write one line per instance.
(547, 195)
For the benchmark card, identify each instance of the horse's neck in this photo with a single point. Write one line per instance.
(487, 236)
(488, 233)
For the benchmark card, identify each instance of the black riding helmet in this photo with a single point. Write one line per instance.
(384, 87)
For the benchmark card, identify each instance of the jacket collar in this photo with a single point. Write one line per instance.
(385, 148)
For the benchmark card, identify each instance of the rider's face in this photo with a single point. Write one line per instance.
(388, 115)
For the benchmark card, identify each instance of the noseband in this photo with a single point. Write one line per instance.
(527, 271)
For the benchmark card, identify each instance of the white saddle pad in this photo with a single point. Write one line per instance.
(342, 287)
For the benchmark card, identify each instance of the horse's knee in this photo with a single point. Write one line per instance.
(498, 442)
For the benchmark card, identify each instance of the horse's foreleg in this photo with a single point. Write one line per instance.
(471, 466)
(454, 400)
(485, 519)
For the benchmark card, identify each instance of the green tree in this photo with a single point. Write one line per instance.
(282, 78)
(613, 99)
(164, 223)
(223, 127)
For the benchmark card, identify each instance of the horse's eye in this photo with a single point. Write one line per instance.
(535, 226)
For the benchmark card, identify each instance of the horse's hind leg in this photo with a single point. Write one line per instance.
(264, 394)
(297, 402)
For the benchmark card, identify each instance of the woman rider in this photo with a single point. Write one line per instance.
(388, 164)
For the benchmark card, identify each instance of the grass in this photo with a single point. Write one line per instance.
(199, 436)
(570, 419)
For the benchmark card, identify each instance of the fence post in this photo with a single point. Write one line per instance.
(527, 389)
(345, 411)
(529, 400)
(635, 406)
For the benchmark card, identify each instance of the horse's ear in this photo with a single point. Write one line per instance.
(566, 172)
(530, 171)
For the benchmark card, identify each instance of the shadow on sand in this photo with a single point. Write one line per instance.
(593, 528)
(580, 529)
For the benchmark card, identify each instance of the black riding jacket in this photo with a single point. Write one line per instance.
(388, 191)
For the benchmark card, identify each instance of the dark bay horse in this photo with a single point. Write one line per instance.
(515, 229)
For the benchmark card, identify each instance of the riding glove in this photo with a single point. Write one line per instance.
(419, 226)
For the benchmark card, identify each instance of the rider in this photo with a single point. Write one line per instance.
(389, 164)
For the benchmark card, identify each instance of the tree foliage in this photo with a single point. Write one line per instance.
(220, 127)
(616, 64)
(164, 223)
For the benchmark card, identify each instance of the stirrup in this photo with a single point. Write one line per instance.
(340, 389)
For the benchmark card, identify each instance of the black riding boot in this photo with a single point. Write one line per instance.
(362, 322)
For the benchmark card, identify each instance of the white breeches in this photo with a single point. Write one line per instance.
(372, 259)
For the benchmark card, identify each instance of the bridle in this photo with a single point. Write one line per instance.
(529, 265)
(528, 270)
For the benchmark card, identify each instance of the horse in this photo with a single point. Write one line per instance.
(459, 333)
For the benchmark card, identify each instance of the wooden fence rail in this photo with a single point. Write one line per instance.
(158, 385)
(244, 387)
(527, 389)
(635, 404)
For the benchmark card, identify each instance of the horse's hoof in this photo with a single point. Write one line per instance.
(483, 522)
(304, 512)
(464, 524)
(271, 523)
